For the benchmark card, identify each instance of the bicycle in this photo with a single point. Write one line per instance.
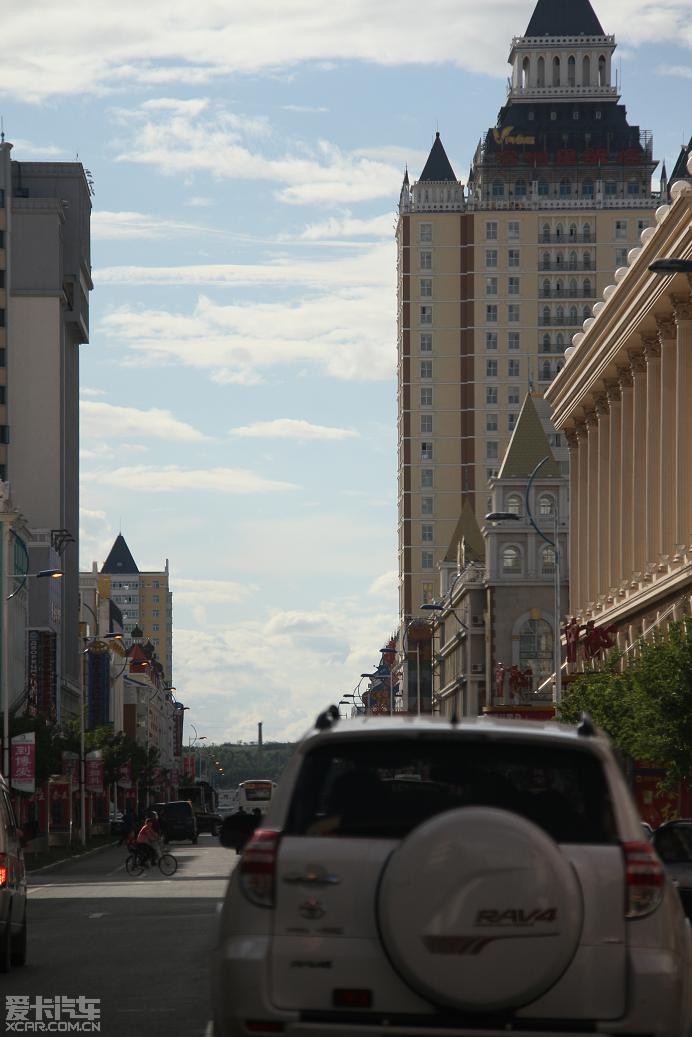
(168, 865)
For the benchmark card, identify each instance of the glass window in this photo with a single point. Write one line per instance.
(498, 189)
(426, 534)
(543, 188)
(426, 232)
(427, 592)
(426, 451)
(547, 561)
(511, 421)
(426, 287)
(513, 368)
(491, 368)
(520, 189)
(511, 560)
(426, 342)
(491, 340)
(513, 257)
(491, 422)
(513, 313)
(426, 505)
(426, 477)
(491, 231)
(546, 504)
(426, 314)
(620, 257)
(426, 560)
(426, 368)
(565, 188)
(490, 394)
(491, 257)
(491, 450)
(611, 188)
(513, 229)
(514, 504)
(426, 260)
(491, 313)
(491, 286)
(426, 423)
(513, 394)
(426, 397)
(587, 189)
(513, 286)
(513, 340)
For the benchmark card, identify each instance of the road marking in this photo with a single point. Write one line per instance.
(97, 914)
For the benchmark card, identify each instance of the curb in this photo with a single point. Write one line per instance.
(72, 857)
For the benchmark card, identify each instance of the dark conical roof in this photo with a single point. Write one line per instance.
(119, 560)
(680, 168)
(438, 166)
(527, 446)
(564, 18)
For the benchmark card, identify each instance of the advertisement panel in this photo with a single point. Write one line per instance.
(23, 762)
(94, 771)
(70, 767)
(189, 766)
(41, 673)
(98, 686)
(125, 775)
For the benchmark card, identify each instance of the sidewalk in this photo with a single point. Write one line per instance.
(38, 860)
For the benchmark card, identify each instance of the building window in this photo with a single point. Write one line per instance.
(491, 313)
(513, 257)
(491, 422)
(587, 189)
(426, 232)
(426, 369)
(426, 559)
(155, 627)
(611, 188)
(426, 451)
(426, 421)
(513, 286)
(491, 451)
(426, 314)
(514, 504)
(513, 313)
(491, 368)
(513, 340)
(497, 189)
(511, 560)
(586, 232)
(491, 394)
(547, 561)
(491, 231)
(491, 286)
(427, 592)
(426, 260)
(642, 225)
(513, 394)
(491, 340)
(620, 257)
(565, 189)
(586, 260)
(491, 257)
(511, 421)
(426, 505)
(513, 230)
(543, 188)
(426, 397)
(520, 189)
(426, 534)
(513, 368)
(426, 477)
(426, 287)
(426, 342)
(546, 504)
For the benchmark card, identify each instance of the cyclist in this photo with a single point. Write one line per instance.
(147, 841)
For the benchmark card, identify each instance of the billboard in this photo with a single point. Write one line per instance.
(23, 762)
(98, 686)
(42, 673)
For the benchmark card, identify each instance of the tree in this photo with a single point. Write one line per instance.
(645, 706)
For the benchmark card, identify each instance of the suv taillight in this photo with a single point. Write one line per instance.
(644, 879)
(4, 869)
(258, 866)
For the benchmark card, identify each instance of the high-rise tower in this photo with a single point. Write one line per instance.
(495, 278)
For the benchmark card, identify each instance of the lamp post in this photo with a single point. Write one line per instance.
(501, 516)
(54, 574)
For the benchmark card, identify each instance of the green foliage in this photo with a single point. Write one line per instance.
(646, 708)
(241, 762)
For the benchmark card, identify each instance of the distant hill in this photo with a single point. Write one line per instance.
(241, 762)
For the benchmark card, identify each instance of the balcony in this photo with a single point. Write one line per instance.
(567, 293)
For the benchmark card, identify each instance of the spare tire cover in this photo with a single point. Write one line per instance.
(478, 909)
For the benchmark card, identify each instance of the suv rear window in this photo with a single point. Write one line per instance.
(177, 810)
(386, 788)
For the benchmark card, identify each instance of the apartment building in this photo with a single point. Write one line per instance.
(496, 275)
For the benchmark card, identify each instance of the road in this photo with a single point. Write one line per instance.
(140, 945)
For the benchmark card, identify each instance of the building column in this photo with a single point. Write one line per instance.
(583, 516)
(592, 505)
(683, 424)
(574, 524)
(615, 560)
(652, 354)
(667, 489)
(639, 435)
(626, 486)
(603, 532)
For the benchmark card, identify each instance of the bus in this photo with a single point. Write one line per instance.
(255, 793)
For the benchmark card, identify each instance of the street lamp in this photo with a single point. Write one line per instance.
(502, 516)
(53, 574)
(671, 266)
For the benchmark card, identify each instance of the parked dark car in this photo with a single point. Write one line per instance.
(673, 844)
(177, 819)
(12, 887)
(209, 822)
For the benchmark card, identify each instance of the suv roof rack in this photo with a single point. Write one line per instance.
(585, 727)
(327, 718)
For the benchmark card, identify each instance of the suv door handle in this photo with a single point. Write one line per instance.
(312, 878)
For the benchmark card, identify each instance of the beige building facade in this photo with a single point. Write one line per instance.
(495, 276)
(623, 402)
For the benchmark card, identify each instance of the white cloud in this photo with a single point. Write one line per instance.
(308, 109)
(172, 41)
(680, 71)
(86, 390)
(108, 421)
(387, 584)
(173, 479)
(338, 228)
(291, 428)
(127, 226)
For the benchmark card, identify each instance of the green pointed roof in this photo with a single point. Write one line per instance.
(680, 167)
(119, 560)
(527, 446)
(438, 166)
(468, 530)
(564, 18)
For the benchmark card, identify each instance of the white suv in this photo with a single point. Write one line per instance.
(418, 877)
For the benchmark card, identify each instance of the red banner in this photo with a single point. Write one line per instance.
(23, 762)
(189, 766)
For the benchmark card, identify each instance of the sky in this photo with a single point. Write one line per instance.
(238, 394)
